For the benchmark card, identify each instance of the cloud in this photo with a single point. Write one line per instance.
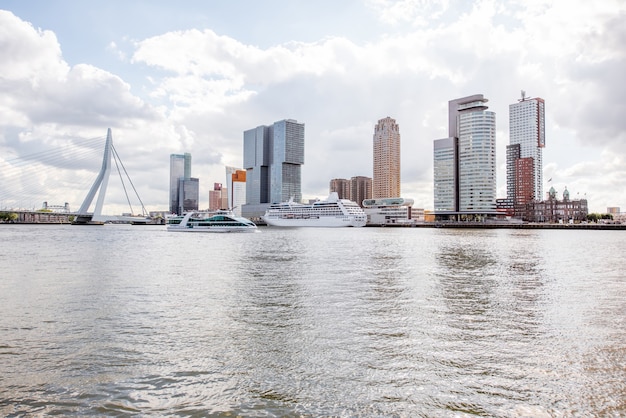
(415, 12)
(39, 87)
(114, 49)
(27, 53)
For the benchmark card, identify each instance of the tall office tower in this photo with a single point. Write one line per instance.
(180, 168)
(342, 187)
(237, 195)
(477, 156)
(188, 195)
(386, 180)
(524, 162)
(256, 161)
(286, 162)
(465, 163)
(360, 189)
(445, 157)
(272, 157)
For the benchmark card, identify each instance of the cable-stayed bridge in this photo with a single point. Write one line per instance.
(36, 174)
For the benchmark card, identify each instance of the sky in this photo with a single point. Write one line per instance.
(174, 77)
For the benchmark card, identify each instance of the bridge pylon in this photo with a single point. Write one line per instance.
(83, 217)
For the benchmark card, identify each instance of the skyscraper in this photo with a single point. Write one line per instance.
(524, 158)
(464, 164)
(272, 157)
(183, 196)
(188, 194)
(445, 158)
(386, 180)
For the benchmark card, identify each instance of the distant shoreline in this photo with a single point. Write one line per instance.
(502, 225)
(449, 225)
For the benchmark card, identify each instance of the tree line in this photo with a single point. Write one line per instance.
(595, 217)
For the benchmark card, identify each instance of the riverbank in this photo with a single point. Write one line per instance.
(457, 225)
(503, 225)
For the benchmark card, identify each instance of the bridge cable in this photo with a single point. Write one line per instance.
(117, 157)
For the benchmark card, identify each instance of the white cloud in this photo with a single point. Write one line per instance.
(114, 49)
(27, 53)
(415, 12)
(39, 87)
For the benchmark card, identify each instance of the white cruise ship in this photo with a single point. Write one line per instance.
(332, 212)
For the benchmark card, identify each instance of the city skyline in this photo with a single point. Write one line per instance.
(188, 78)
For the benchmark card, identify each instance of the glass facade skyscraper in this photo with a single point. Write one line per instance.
(184, 192)
(445, 175)
(287, 157)
(273, 157)
(188, 194)
(464, 164)
(477, 159)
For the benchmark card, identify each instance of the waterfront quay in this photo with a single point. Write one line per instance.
(35, 217)
(53, 218)
(530, 225)
(39, 217)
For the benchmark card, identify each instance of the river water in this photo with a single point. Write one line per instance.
(120, 320)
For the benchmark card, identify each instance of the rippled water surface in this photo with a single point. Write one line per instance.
(122, 320)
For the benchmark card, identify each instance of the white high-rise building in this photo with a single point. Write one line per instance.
(527, 135)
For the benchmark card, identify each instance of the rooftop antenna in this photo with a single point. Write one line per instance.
(523, 95)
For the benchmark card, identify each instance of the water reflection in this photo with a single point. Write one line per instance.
(357, 322)
(484, 316)
(466, 274)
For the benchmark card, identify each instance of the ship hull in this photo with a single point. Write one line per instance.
(319, 222)
(212, 229)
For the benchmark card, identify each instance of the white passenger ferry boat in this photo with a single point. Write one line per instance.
(217, 221)
(332, 212)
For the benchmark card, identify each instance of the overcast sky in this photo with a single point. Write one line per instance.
(173, 77)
